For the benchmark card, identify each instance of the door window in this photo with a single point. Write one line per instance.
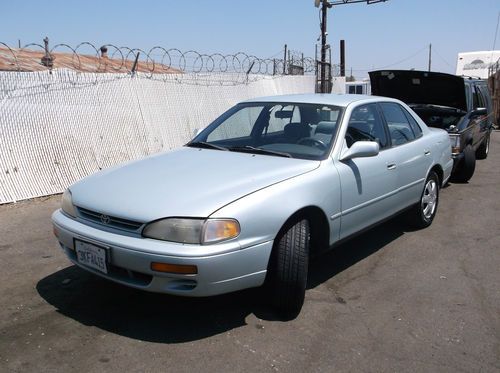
(366, 124)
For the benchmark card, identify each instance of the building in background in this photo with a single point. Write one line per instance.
(358, 87)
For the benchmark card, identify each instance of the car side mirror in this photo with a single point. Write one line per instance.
(361, 149)
(480, 111)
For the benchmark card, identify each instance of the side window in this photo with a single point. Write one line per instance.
(478, 98)
(486, 96)
(366, 124)
(239, 125)
(399, 128)
(414, 124)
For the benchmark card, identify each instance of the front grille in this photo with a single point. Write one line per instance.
(109, 221)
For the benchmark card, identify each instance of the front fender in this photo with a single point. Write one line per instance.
(262, 214)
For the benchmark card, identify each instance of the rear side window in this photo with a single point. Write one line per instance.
(399, 127)
(486, 96)
(413, 123)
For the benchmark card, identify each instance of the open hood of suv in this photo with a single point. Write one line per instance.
(420, 87)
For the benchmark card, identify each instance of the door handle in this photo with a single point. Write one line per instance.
(427, 152)
(391, 166)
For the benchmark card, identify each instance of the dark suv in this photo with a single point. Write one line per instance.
(461, 106)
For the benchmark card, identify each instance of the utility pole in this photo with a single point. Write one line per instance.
(342, 58)
(284, 61)
(324, 11)
(325, 4)
(430, 56)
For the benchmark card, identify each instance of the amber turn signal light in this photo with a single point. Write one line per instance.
(179, 269)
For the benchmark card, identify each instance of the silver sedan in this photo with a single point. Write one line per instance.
(252, 196)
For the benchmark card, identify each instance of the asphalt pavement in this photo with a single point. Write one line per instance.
(391, 300)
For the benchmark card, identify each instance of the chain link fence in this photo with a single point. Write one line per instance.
(59, 126)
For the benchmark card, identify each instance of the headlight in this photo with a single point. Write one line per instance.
(67, 204)
(455, 143)
(192, 231)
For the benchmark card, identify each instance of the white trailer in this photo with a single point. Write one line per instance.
(478, 64)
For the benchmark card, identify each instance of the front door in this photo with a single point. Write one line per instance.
(368, 185)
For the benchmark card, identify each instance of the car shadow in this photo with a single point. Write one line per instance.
(354, 250)
(161, 318)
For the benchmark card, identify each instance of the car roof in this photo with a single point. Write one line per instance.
(321, 98)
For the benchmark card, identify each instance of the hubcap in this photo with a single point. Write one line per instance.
(429, 199)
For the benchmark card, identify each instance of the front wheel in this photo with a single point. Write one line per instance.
(423, 213)
(288, 269)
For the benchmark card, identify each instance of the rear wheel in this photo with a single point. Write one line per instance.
(466, 167)
(288, 269)
(482, 151)
(423, 213)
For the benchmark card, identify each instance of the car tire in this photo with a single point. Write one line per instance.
(422, 214)
(483, 150)
(466, 167)
(288, 269)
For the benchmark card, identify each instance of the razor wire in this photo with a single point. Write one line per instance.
(87, 57)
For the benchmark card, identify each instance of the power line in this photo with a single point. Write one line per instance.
(442, 58)
(395, 63)
(496, 32)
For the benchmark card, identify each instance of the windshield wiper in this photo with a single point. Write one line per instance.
(206, 145)
(254, 150)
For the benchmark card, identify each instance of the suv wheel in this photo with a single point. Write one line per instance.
(482, 151)
(466, 167)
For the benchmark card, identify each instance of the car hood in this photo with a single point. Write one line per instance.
(420, 87)
(187, 182)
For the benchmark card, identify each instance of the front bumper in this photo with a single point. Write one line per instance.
(222, 268)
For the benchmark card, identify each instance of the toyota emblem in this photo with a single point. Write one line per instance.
(105, 219)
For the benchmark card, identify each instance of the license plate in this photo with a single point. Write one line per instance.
(91, 255)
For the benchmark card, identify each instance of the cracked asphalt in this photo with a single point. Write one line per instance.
(387, 301)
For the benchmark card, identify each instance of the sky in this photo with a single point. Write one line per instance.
(394, 34)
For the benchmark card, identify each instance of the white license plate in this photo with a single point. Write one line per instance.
(91, 255)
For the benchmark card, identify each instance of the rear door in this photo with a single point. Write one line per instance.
(480, 124)
(488, 122)
(412, 155)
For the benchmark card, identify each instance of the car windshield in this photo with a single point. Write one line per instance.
(283, 129)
